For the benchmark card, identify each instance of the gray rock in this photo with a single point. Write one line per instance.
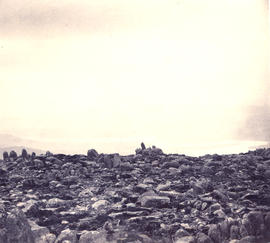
(24, 154)
(203, 238)
(5, 156)
(170, 164)
(100, 204)
(38, 163)
(214, 233)
(67, 235)
(143, 146)
(155, 201)
(41, 234)
(249, 239)
(254, 223)
(108, 163)
(92, 154)
(93, 236)
(56, 202)
(181, 233)
(16, 227)
(234, 232)
(243, 231)
(13, 155)
(224, 229)
(30, 207)
(186, 239)
(116, 160)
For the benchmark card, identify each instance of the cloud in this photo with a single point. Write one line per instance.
(28, 17)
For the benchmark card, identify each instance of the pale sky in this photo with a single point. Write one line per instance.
(109, 74)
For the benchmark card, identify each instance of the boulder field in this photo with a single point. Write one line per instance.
(147, 197)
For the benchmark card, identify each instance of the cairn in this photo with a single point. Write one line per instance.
(13, 155)
(24, 154)
(6, 156)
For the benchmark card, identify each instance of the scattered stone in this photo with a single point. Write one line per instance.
(155, 201)
(149, 197)
(186, 239)
(41, 234)
(68, 236)
(203, 238)
(249, 239)
(93, 236)
(100, 204)
(214, 233)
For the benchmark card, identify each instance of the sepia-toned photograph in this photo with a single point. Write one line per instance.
(135, 121)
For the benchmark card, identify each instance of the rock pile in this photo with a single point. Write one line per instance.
(148, 197)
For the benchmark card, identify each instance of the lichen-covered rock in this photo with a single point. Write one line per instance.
(149, 197)
(254, 223)
(95, 237)
(214, 233)
(67, 235)
(203, 238)
(249, 239)
(100, 204)
(186, 239)
(5, 156)
(13, 155)
(56, 202)
(116, 160)
(155, 201)
(38, 163)
(14, 226)
(92, 154)
(234, 232)
(224, 229)
(24, 154)
(108, 163)
(41, 234)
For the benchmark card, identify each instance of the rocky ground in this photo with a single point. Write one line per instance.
(148, 197)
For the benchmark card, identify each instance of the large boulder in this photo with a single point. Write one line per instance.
(41, 234)
(13, 155)
(5, 156)
(92, 154)
(254, 223)
(14, 226)
(24, 154)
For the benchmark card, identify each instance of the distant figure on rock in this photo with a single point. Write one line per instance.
(5, 156)
(33, 156)
(143, 146)
(48, 154)
(24, 154)
(13, 155)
